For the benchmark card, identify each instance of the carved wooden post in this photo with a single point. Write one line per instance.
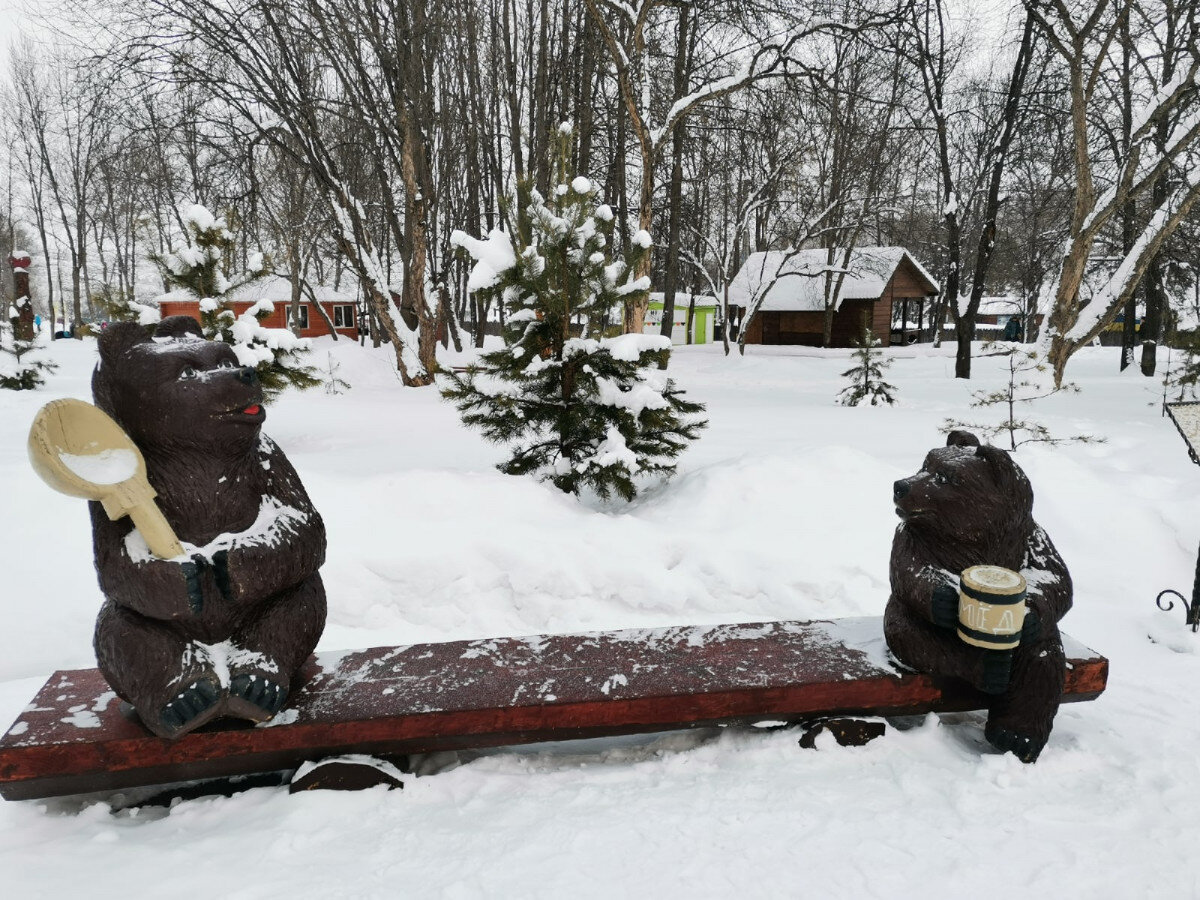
(23, 322)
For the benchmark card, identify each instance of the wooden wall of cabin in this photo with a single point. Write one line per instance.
(881, 318)
(754, 335)
(277, 318)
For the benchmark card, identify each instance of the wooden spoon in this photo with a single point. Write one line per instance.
(79, 450)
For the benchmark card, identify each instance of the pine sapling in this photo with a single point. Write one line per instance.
(1022, 387)
(334, 383)
(576, 409)
(866, 378)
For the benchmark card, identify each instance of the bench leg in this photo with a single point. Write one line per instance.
(847, 732)
(346, 773)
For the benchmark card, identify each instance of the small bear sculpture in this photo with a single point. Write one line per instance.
(222, 630)
(972, 505)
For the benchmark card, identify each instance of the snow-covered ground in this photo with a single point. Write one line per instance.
(782, 510)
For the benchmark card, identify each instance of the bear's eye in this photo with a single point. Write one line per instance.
(225, 364)
(187, 373)
(941, 478)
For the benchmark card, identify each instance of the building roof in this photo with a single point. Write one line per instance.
(799, 277)
(1003, 305)
(683, 298)
(277, 289)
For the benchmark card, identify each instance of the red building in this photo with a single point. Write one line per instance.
(340, 307)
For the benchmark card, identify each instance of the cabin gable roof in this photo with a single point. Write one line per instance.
(800, 277)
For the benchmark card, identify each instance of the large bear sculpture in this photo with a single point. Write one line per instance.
(221, 630)
(972, 505)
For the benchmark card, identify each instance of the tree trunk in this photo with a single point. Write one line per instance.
(671, 275)
(1128, 210)
(1156, 295)
(965, 325)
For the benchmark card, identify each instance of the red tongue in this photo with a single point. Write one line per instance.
(251, 410)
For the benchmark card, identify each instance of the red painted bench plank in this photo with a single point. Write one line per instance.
(73, 738)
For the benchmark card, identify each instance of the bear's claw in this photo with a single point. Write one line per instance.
(1023, 747)
(259, 691)
(189, 705)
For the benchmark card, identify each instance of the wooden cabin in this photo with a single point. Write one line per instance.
(340, 306)
(884, 286)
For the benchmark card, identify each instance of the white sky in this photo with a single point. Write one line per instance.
(993, 19)
(28, 16)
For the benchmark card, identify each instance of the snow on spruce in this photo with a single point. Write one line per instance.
(197, 270)
(575, 407)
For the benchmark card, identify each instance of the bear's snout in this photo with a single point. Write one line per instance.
(246, 375)
(900, 488)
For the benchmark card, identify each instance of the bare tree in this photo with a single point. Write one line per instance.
(1082, 37)
(936, 54)
(626, 31)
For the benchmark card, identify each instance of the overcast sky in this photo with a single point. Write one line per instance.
(29, 16)
(35, 17)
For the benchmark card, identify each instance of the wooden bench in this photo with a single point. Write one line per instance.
(74, 737)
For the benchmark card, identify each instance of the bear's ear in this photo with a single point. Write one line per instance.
(118, 339)
(1006, 473)
(178, 327)
(961, 439)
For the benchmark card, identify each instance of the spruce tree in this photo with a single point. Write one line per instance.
(866, 378)
(198, 269)
(578, 409)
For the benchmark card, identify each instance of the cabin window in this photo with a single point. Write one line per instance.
(343, 315)
(303, 316)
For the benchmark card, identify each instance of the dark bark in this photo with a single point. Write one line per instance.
(671, 277)
(965, 325)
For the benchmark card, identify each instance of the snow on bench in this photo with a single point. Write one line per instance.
(75, 738)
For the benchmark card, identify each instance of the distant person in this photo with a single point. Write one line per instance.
(1012, 329)
(37, 322)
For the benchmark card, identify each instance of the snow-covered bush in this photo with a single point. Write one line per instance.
(23, 363)
(197, 270)
(578, 409)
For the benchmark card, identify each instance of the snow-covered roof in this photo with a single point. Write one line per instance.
(800, 285)
(683, 298)
(277, 289)
(1004, 305)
